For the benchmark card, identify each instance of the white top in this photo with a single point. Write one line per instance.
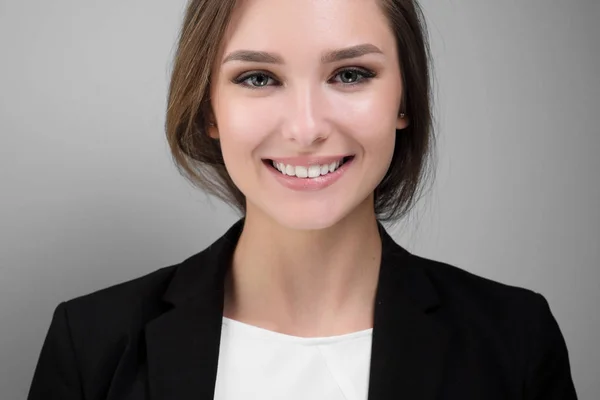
(256, 363)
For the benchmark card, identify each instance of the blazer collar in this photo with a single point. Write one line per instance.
(408, 348)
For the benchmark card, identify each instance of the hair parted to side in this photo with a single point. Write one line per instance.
(198, 156)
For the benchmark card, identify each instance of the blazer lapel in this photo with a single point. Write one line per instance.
(183, 344)
(409, 346)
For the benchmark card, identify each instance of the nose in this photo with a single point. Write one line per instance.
(306, 116)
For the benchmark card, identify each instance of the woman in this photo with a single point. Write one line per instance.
(313, 118)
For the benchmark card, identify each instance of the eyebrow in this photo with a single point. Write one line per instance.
(329, 57)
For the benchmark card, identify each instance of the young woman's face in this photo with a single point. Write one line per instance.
(307, 84)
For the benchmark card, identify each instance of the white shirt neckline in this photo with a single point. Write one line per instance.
(249, 330)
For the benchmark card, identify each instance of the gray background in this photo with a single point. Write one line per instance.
(89, 196)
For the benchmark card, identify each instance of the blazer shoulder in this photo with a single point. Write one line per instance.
(121, 310)
(121, 298)
(469, 291)
(519, 321)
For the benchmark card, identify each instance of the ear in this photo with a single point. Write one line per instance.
(402, 121)
(213, 131)
(211, 126)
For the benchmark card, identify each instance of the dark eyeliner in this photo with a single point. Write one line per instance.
(239, 80)
(364, 72)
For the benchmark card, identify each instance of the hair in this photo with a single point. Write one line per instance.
(198, 157)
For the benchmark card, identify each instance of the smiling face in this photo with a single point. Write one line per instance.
(302, 85)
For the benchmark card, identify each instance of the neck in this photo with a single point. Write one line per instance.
(306, 283)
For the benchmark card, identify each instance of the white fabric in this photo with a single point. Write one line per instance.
(256, 363)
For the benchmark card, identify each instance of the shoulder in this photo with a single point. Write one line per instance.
(515, 319)
(461, 288)
(514, 325)
(479, 307)
(121, 301)
(117, 313)
(120, 312)
(90, 335)
(458, 295)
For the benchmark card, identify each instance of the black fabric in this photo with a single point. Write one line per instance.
(439, 332)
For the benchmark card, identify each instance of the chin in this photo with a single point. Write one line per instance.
(311, 218)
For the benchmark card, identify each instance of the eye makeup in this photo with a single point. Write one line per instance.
(259, 78)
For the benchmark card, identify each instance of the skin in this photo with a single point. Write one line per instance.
(307, 262)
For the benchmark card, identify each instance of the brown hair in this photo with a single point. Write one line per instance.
(198, 156)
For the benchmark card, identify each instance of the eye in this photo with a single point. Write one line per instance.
(254, 80)
(353, 76)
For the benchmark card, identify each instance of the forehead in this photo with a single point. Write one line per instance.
(307, 25)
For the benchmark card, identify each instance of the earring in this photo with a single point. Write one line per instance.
(402, 115)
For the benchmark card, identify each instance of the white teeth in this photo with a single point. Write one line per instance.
(313, 171)
(301, 172)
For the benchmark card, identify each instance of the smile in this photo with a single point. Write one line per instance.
(310, 176)
(313, 171)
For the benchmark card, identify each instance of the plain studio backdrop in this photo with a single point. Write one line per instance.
(90, 197)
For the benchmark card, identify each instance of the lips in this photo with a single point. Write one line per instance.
(299, 179)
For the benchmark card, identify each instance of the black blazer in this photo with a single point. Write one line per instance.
(439, 333)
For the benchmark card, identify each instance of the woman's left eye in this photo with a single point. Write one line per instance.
(352, 76)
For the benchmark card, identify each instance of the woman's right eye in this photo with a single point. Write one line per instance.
(254, 80)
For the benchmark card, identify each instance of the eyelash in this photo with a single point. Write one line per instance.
(365, 74)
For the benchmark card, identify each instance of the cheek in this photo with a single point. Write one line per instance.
(373, 112)
(243, 126)
(373, 122)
